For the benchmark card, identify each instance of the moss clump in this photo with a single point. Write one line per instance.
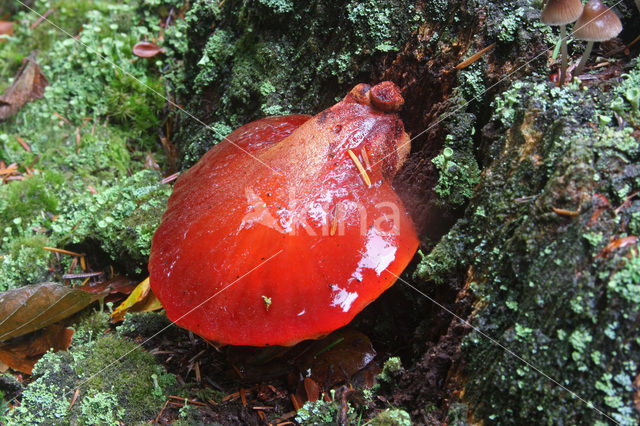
(90, 133)
(544, 292)
(89, 326)
(145, 324)
(121, 219)
(279, 57)
(116, 379)
(516, 22)
(389, 377)
(391, 417)
(458, 174)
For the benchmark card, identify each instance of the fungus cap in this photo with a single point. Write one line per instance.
(561, 12)
(597, 23)
(290, 242)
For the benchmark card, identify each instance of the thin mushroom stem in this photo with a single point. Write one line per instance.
(583, 60)
(565, 54)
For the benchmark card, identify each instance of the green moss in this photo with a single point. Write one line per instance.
(100, 408)
(391, 417)
(543, 291)
(388, 378)
(516, 22)
(121, 219)
(457, 177)
(116, 379)
(24, 260)
(89, 327)
(144, 324)
(27, 198)
(278, 57)
(109, 124)
(391, 369)
(278, 6)
(458, 170)
(510, 25)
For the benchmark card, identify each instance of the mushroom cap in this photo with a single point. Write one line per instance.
(561, 12)
(246, 255)
(597, 23)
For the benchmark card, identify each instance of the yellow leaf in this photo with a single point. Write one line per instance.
(141, 299)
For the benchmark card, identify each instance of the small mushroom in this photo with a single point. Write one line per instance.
(560, 13)
(597, 23)
(292, 241)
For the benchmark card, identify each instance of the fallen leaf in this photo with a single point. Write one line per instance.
(145, 49)
(616, 244)
(33, 307)
(600, 204)
(6, 28)
(337, 357)
(29, 84)
(141, 299)
(23, 354)
(117, 285)
(312, 389)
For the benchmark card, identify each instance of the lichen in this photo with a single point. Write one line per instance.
(544, 289)
(116, 380)
(319, 412)
(278, 57)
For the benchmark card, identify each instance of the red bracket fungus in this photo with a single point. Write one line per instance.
(319, 197)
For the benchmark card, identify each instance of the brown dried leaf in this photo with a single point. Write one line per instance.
(29, 84)
(22, 355)
(117, 285)
(342, 353)
(616, 244)
(6, 28)
(312, 389)
(33, 307)
(145, 49)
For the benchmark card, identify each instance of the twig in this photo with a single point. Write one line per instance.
(474, 57)
(41, 18)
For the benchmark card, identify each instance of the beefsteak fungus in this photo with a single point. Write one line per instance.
(313, 191)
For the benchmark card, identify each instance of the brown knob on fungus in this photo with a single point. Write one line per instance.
(246, 255)
(560, 13)
(386, 97)
(597, 23)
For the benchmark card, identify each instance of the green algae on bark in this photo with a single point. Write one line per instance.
(532, 242)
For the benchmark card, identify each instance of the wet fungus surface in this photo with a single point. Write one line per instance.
(289, 227)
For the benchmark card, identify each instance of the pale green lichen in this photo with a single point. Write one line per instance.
(116, 379)
(319, 412)
(457, 177)
(391, 417)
